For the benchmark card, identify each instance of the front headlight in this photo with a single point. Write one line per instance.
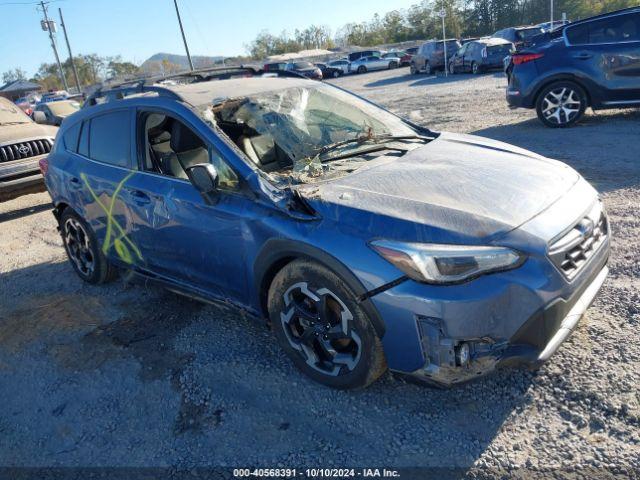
(442, 264)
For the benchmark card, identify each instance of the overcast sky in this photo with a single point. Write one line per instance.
(136, 29)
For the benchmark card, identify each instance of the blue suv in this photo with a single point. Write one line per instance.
(367, 241)
(589, 63)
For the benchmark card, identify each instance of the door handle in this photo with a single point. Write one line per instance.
(74, 183)
(582, 56)
(140, 197)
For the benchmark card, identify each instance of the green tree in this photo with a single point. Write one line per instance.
(13, 75)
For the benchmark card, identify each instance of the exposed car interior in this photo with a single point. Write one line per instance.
(172, 147)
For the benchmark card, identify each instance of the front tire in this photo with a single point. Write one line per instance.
(362, 69)
(475, 69)
(452, 68)
(561, 104)
(322, 328)
(412, 69)
(83, 250)
(392, 65)
(427, 68)
(336, 74)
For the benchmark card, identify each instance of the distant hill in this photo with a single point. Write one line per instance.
(180, 60)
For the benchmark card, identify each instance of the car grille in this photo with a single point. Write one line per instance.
(574, 250)
(22, 150)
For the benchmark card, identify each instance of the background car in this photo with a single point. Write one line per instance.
(329, 72)
(519, 36)
(430, 56)
(342, 64)
(403, 56)
(25, 105)
(353, 56)
(367, 64)
(53, 113)
(480, 56)
(588, 63)
(54, 96)
(305, 68)
(274, 67)
(22, 145)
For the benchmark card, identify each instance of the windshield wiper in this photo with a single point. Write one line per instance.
(380, 138)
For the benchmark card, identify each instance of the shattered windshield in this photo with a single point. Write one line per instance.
(301, 133)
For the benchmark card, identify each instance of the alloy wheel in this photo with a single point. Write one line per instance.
(475, 69)
(318, 325)
(561, 105)
(78, 245)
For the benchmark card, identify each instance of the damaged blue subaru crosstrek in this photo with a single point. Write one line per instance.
(369, 242)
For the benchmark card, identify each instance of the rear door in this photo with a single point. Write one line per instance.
(97, 172)
(608, 51)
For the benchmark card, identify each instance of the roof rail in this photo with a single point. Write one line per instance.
(122, 90)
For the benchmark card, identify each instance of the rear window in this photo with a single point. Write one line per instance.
(498, 49)
(528, 33)
(619, 28)
(109, 138)
(302, 65)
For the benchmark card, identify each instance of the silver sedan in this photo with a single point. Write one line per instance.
(367, 64)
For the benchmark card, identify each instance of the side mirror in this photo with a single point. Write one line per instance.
(39, 117)
(204, 177)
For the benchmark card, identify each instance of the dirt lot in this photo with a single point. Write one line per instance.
(127, 375)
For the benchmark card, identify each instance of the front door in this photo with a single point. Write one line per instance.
(189, 241)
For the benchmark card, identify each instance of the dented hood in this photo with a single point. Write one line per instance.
(464, 185)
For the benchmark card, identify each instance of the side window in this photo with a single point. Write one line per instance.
(83, 145)
(110, 138)
(618, 28)
(71, 137)
(170, 147)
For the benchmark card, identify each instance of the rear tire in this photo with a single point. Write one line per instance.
(322, 328)
(475, 69)
(561, 104)
(362, 69)
(427, 68)
(336, 74)
(412, 69)
(393, 65)
(83, 250)
(452, 68)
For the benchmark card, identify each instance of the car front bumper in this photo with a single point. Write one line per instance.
(20, 177)
(510, 318)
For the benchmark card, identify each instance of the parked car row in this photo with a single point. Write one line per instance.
(593, 62)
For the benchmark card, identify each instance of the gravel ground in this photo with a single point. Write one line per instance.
(128, 375)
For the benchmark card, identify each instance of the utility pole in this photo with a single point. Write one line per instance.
(184, 39)
(443, 14)
(73, 64)
(551, 27)
(53, 44)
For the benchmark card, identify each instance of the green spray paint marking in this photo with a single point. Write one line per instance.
(122, 244)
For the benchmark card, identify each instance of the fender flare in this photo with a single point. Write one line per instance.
(276, 253)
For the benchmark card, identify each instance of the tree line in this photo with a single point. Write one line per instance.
(421, 21)
(91, 69)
